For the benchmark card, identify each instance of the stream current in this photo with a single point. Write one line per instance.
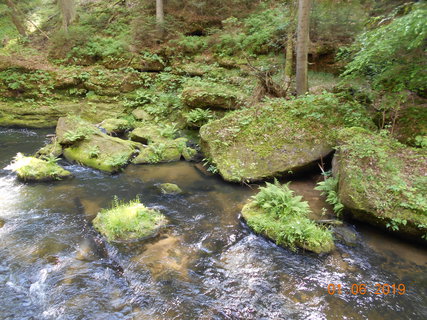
(206, 265)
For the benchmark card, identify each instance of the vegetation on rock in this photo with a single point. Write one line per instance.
(34, 169)
(170, 188)
(278, 136)
(126, 221)
(278, 214)
(382, 182)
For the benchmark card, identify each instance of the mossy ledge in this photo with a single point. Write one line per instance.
(382, 182)
(128, 221)
(37, 170)
(278, 137)
(283, 218)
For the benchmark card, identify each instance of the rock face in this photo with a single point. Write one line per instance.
(128, 221)
(87, 145)
(383, 182)
(408, 133)
(34, 169)
(210, 95)
(279, 137)
(47, 116)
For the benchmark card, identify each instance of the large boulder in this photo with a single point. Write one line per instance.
(34, 169)
(278, 137)
(383, 182)
(87, 145)
(204, 94)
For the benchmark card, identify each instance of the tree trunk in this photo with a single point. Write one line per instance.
(160, 16)
(302, 45)
(68, 12)
(16, 18)
(289, 59)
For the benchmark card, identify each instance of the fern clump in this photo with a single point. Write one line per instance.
(329, 188)
(128, 221)
(278, 214)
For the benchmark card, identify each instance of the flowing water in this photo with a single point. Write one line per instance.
(205, 265)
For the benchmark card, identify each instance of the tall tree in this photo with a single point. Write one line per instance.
(16, 17)
(290, 43)
(160, 16)
(68, 12)
(302, 45)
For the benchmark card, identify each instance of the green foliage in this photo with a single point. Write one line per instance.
(329, 188)
(128, 220)
(117, 160)
(392, 56)
(168, 130)
(198, 117)
(142, 97)
(284, 218)
(81, 133)
(210, 166)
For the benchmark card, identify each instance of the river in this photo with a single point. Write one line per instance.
(205, 265)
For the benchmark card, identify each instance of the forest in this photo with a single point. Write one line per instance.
(211, 159)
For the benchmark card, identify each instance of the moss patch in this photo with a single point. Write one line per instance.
(169, 188)
(128, 221)
(206, 94)
(278, 137)
(282, 217)
(382, 181)
(34, 169)
(411, 125)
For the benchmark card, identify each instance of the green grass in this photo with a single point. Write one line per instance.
(128, 221)
(283, 217)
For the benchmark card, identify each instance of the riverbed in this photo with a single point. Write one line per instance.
(205, 265)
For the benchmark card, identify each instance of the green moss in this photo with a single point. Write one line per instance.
(278, 136)
(382, 181)
(170, 188)
(116, 126)
(406, 131)
(204, 94)
(128, 221)
(34, 169)
(278, 214)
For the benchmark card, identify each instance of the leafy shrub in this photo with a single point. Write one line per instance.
(329, 188)
(198, 117)
(392, 55)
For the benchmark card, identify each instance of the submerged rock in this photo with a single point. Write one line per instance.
(87, 145)
(212, 95)
(34, 169)
(282, 217)
(128, 221)
(278, 137)
(169, 188)
(53, 149)
(383, 182)
(2, 223)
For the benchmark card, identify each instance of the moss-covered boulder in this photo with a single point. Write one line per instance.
(276, 213)
(170, 188)
(128, 221)
(411, 126)
(205, 94)
(278, 137)
(161, 151)
(114, 126)
(34, 169)
(87, 145)
(53, 149)
(383, 182)
(146, 134)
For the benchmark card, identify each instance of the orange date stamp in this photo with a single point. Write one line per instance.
(362, 289)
